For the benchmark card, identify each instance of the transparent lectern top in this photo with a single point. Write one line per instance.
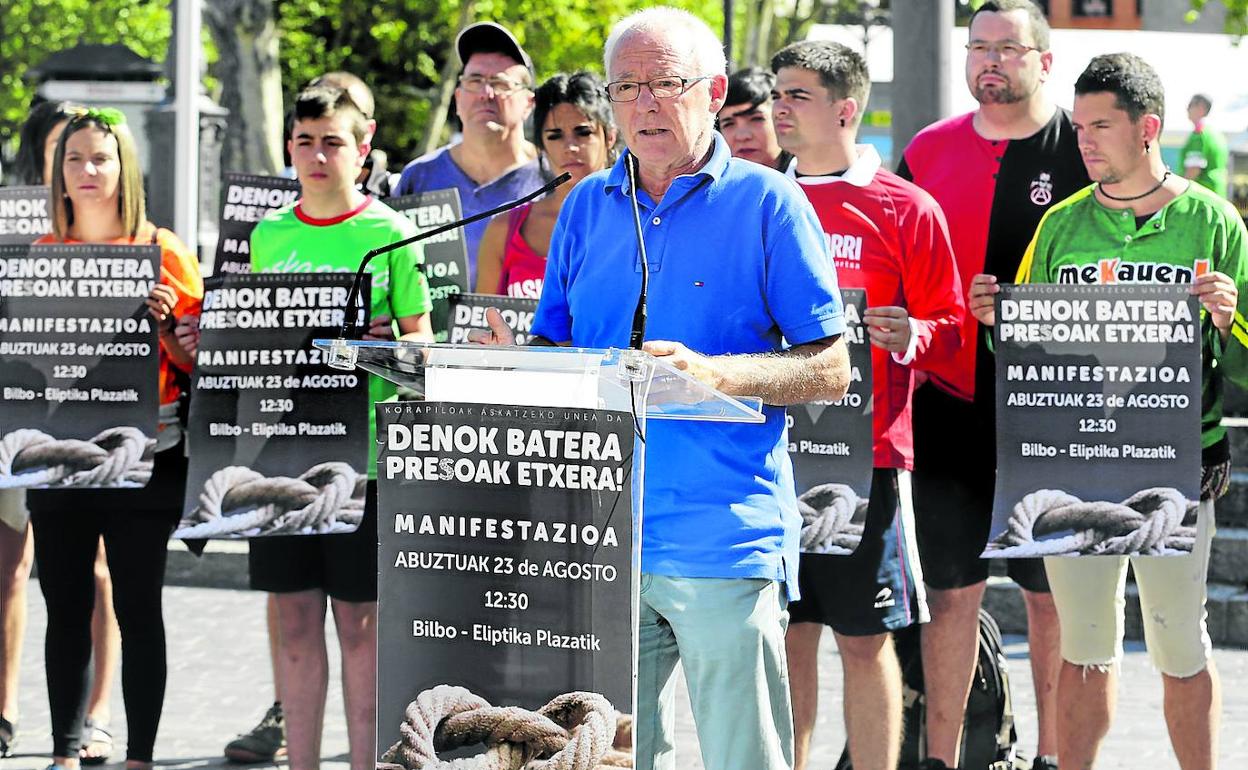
(542, 376)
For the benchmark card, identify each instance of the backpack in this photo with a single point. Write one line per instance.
(988, 734)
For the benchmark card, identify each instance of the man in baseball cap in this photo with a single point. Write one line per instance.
(494, 163)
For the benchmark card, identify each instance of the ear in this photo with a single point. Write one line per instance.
(530, 100)
(849, 110)
(1150, 128)
(612, 137)
(719, 92)
(370, 131)
(1046, 65)
(365, 147)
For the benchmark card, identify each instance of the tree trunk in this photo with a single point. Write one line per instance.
(437, 113)
(246, 37)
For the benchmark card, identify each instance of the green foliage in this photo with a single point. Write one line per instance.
(30, 30)
(1236, 14)
(399, 47)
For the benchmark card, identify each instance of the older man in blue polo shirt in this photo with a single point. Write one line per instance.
(739, 273)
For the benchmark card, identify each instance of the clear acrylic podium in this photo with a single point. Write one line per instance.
(556, 378)
(624, 380)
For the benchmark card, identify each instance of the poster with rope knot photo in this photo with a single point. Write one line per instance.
(506, 586)
(281, 440)
(830, 444)
(79, 387)
(1099, 416)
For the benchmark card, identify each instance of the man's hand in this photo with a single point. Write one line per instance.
(160, 303)
(499, 333)
(698, 366)
(187, 333)
(888, 327)
(1219, 295)
(379, 328)
(980, 301)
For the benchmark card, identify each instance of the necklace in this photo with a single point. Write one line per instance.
(1154, 189)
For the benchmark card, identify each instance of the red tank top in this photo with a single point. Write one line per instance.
(523, 268)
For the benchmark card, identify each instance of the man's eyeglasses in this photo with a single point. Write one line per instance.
(475, 84)
(660, 88)
(1007, 51)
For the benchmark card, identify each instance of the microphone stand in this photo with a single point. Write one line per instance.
(354, 295)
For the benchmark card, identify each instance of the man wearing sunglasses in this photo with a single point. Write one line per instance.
(494, 163)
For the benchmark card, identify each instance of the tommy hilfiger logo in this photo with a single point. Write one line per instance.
(1042, 189)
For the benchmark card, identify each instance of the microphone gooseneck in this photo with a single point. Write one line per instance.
(354, 295)
(638, 332)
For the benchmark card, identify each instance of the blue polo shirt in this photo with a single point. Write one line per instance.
(738, 264)
(438, 171)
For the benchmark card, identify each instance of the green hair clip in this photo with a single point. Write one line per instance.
(107, 116)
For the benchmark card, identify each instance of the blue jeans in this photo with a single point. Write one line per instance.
(729, 636)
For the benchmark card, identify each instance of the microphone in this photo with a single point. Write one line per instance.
(638, 331)
(354, 295)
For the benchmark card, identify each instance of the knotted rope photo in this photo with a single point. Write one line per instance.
(832, 519)
(239, 502)
(115, 457)
(575, 731)
(1151, 522)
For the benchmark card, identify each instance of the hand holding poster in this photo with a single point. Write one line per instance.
(830, 444)
(78, 366)
(1098, 420)
(280, 440)
(505, 579)
(446, 255)
(23, 214)
(245, 200)
(468, 314)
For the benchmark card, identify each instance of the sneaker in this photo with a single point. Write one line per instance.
(1044, 763)
(265, 742)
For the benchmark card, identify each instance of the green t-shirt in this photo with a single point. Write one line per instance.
(288, 241)
(1206, 149)
(1080, 241)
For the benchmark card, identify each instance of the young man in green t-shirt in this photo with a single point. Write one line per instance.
(329, 229)
(1204, 153)
(1137, 219)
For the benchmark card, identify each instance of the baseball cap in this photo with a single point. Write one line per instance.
(489, 37)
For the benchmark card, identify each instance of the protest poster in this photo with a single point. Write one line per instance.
(1098, 420)
(24, 214)
(467, 313)
(830, 444)
(79, 388)
(506, 575)
(446, 255)
(280, 440)
(245, 200)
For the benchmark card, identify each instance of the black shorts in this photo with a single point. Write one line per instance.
(876, 589)
(954, 482)
(343, 566)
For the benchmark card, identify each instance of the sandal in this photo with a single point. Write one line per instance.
(98, 745)
(8, 736)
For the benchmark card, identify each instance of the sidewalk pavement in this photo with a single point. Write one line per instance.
(220, 685)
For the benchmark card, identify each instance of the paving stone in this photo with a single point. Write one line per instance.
(219, 685)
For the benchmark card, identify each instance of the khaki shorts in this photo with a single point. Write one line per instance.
(1089, 591)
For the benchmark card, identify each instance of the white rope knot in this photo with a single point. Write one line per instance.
(239, 502)
(828, 512)
(575, 731)
(118, 457)
(1149, 522)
